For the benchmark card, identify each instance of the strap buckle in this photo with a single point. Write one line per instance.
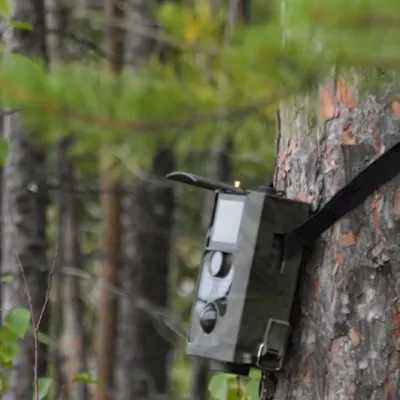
(271, 351)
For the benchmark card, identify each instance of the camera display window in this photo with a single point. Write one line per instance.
(227, 221)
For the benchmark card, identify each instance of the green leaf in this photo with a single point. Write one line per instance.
(219, 386)
(255, 374)
(253, 389)
(42, 337)
(7, 279)
(6, 335)
(3, 384)
(84, 377)
(236, 393)
(18, 321)
(44, 387)
(21, 25)
(5, 10)
(3, 150)
(6, 364)
(9, 350)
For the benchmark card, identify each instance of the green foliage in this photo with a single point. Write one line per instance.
(18, 320)
(44, 385)
(156, 100)
(231, 387)
(5, 10)
(347, 31)
(215, 82)
(9, 350)
(15, 327)
(7, 279)
(3, 151)
(21, 25)
(84, 377)
(3, 384)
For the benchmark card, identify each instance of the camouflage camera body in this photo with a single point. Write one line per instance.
(245, 289)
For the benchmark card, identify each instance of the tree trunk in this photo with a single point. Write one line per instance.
(144, 339)
(143, 344)
(110, 236)
(73, 335)
(24, 213)
(56, 22)
(345, 342)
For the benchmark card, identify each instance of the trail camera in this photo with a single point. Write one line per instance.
(252, 254)
(244, 294)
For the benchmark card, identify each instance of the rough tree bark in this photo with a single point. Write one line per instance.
(24, 212)
(144, 340)
(345, 342)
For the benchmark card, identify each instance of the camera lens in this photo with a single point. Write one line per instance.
(217, 264)
(208, 318)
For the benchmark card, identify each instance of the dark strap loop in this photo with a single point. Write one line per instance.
(379, 172)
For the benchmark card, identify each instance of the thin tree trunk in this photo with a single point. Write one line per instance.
(24, 214)
(110, 235)
(73, 337)
(346, 333)
(144, 342)
(142, 346)
(56, 22)
(110, 260)
(60, 382)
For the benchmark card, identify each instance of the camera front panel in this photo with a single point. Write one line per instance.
(216, 311)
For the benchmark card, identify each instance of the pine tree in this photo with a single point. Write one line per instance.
(345, 340)
(345, 321)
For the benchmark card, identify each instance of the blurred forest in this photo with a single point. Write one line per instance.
(96, 244)
(122, 244)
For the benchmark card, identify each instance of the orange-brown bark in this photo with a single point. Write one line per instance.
(110, 235)
(345, 342)
(107, 315)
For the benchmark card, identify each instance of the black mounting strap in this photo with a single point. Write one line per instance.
(379, 172)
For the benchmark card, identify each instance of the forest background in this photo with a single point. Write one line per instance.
(99, 252)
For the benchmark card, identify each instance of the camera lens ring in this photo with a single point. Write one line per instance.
(218, 264)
